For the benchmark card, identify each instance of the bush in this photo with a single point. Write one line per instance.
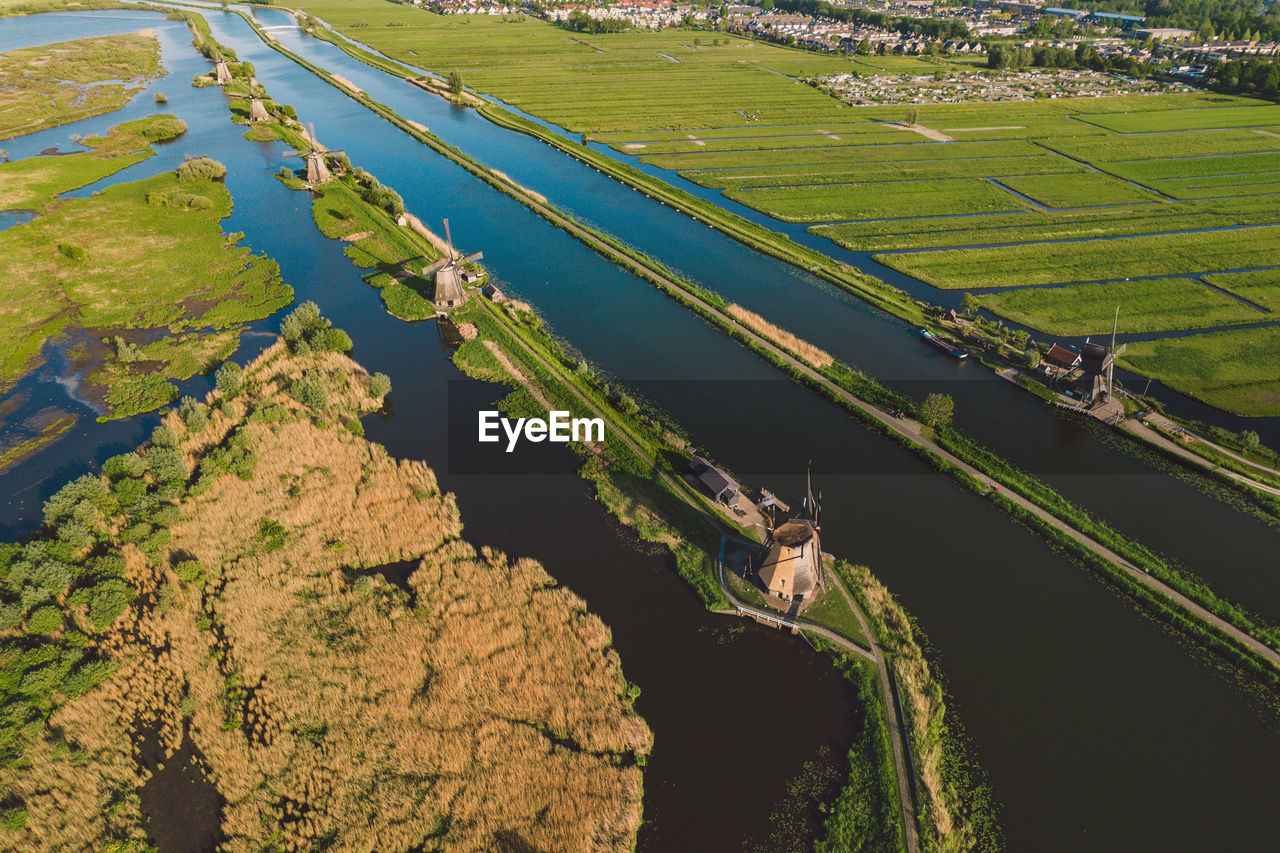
(194, 414)
(71, 251)
(83, 499)
(166, 464)
(164, 127)
(84, 679)
(124, 465)
(310, 391)
(44, 620)
(201, 169)
(160, 98)
(107, 601)
(336, 340)
(162, 436)
(188, 571)
(379, 385)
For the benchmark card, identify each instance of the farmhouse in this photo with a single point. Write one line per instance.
(1060, 356)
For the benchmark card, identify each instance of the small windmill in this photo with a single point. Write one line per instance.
(317, 171)
(257, 112)
(222, 72)
(448, 278)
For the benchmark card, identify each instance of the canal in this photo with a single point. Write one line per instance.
(1097, 728)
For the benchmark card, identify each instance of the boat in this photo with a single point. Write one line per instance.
(944, 345)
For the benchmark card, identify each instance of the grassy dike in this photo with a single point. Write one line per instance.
(837, 380)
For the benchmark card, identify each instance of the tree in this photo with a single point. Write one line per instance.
(969, 303)
(937, 409)
(1033, 357)
(455, 82)
(230, 379)
(913, 115)
(1250, 440)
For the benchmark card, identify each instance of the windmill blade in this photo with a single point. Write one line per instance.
(448, 238)
(474, 256)
(335, 151)
(294, 154)
(435, 265)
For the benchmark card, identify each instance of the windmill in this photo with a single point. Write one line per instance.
(791, 568)
(317, 171)
(448, 278)
(257, 112)
(814, 507)
(222, 71)
(1099, 362)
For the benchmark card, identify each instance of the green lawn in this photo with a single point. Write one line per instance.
(830, 609)
(1238, 371)
(1183, 119)
(55, 84)
(1151, 305)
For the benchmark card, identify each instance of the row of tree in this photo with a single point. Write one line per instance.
(1226, 19)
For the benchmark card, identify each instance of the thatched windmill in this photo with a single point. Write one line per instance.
(317, 171)
(257, 112)
(222, 72)
(792, 565)
(449, 292)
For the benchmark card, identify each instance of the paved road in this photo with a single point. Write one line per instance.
(1156, 438)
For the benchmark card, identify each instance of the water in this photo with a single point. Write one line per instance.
(1098, 730)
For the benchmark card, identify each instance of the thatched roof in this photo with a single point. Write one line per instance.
(794, 533)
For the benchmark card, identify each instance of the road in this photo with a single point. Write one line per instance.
(1150, 435)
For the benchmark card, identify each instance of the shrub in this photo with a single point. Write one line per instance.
(230, 379)
(164, 127)
(309, 390)
(162, 436)
(336, 340)
(124, 465)
(83, 499)
(160, 98)
(188, 571)
(194, 414)
(379, 385)
(84, 679)
(44, 620)
(10, 616)
(201, 169)
(71, 251)
(107, 601)
(166, 464)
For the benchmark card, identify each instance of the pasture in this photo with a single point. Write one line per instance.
(1237, 370)
(1148, 305)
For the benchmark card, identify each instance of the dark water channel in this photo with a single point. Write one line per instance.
(1099, 731)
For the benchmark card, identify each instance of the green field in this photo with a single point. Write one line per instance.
(1087, 189)
(1261, 288)
(59, 83)
(1149, 305)
(1091, 260)
(881, 200)
(1238, 371)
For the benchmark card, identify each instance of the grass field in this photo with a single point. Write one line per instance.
(1087, 189)
(1261, 288)
(76, 266)
(1149, 305)
(886, 199)
(59, 83)
(1091, 260)
(1238, 371)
